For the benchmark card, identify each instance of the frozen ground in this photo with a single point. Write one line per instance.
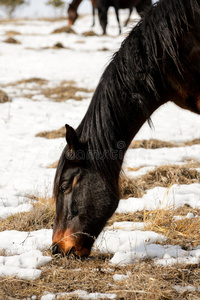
(24, 157)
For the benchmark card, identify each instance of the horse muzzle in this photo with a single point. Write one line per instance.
(67, 242)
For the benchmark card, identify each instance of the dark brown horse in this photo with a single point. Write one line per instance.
(103, 6)
(72, 11)
(158, 62)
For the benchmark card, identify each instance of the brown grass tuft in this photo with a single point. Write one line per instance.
(58, 46)
(12, 32)
(11, 40)
(163, 176)
(183, 232)
(65, 29)
(89, 33)
(54, 134)
(4, 97)
(63, 92)
(156, 144)
(39, 81)
(41, 216)
(53, 165)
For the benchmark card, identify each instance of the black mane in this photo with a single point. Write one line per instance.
(135, 77)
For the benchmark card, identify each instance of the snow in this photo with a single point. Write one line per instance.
(163, 198)
(16, 242)
(188, 288)
(80, 294)
(24, 157)
(119, 277)
(24, 266)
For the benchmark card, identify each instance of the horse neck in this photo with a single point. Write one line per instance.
(113, 118)
(75, 4)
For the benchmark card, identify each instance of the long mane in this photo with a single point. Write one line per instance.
(135, 76)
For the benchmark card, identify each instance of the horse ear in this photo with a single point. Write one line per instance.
(71, 139)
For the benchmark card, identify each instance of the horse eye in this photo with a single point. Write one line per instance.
(65, 187)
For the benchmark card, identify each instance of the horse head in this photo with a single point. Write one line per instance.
(83, 201)
(72, 15)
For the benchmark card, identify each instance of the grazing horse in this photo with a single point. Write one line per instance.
(159, 61)
(72, 11)
(103, 5)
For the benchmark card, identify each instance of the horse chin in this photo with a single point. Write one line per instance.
(81, 252)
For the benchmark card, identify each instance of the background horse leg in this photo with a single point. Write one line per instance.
(93, 16)
(117, 15)
(103, 19)
(130, 12)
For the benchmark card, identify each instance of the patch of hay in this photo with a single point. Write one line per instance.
(151, 144)
(80, 42)
(53, 165)
(41, 216)
(163, 176)
(11, 40)
(65, 29)
(64, 92)
(12, 32)
(128, 217)
(54, 134)
(4, 97)
(193, 142)
(39, 81)
(156, 144)
(58, 46)
(89, 33)
(183, 232)
(130, 188)
(103, 49)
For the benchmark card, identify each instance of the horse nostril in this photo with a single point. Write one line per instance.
(55, 249)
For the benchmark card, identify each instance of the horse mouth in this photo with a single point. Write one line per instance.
(80, 252)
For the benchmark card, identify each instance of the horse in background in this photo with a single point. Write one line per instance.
(72, 11)
(73, 15)
(159, 61)
(103, 5)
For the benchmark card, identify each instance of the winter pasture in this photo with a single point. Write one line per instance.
(150, 248)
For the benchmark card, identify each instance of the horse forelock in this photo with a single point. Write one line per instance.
(59, 171)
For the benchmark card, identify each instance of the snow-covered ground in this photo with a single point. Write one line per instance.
(24, 157)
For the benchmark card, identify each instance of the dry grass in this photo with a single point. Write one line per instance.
(66, 89)
(4, 97)
(42, 216)
(11, 40)
(163, 176)
(53, 165)
(89, 33)
(54, 134)
(36, 80)
(65, 92)
(146, 281)
(156, 144)
(12, 32)
(184, 232)
(65, 29)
